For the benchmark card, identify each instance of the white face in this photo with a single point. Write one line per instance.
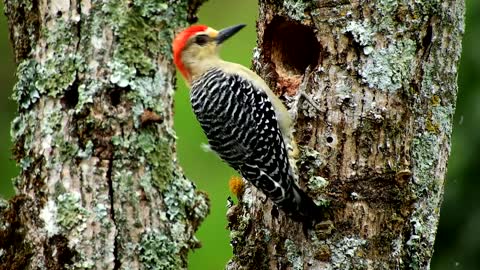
(200, 49)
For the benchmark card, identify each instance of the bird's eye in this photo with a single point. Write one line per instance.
(201, 39)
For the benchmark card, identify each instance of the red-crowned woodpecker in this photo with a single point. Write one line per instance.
(245, 123)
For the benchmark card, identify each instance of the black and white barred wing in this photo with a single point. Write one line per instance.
(241, 126)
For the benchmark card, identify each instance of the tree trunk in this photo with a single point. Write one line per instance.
(100, 187)
(383, 76)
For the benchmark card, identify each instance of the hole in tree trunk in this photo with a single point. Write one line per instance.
(115, 96)
(70, 98)
(293, 46)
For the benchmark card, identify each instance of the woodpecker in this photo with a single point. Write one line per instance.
(244, 121)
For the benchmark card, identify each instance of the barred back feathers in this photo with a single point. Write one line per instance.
(242, 128)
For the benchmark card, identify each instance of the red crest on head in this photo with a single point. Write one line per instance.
(179, 44)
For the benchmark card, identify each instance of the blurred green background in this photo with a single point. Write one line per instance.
(458, 239)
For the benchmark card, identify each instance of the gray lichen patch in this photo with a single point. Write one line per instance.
(70, 212)
(422, 233)
(147, 146)
(390, 68)
(347, 253)
(310, 159)
(182, 193)
(297, 9)
(294, 255)
(58, 68)
(147, 91)
(425, 148)
(157, 251)
(24, 92)
(317, 183)
(362, 32)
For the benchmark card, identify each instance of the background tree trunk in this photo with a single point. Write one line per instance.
(383, 74)
(99, 186)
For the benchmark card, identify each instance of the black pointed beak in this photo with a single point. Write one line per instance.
(226, 33)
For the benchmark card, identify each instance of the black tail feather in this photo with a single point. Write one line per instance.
(300, 207)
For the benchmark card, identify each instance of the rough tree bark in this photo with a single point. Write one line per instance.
(99, 186)
(383, 74)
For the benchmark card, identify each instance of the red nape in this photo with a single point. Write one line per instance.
(179, 44)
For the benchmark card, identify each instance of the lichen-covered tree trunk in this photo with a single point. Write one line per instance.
(99, 187)
(383, 76)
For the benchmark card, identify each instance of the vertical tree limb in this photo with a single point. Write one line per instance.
(384, 75)
(100, 186)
